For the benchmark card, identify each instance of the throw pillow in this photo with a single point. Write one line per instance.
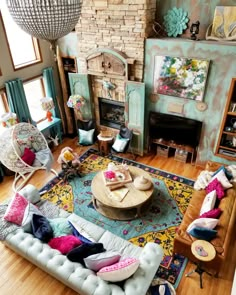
(120, 144)
(217, 186)
(60, 227)
(209, 202)
(119, 271)
(79, 253)
(203, 233)
(209, 223)
(28, 215)
(80, 233)
(86, 137)
(64, 244)
(222, 179)
(41, 228)
(16, 209)
(28, 156)
(98, 261)
(214, 213)
(227, 173)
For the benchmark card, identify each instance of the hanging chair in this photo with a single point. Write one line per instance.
(24, 150)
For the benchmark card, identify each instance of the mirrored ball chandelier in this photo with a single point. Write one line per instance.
(45, 19)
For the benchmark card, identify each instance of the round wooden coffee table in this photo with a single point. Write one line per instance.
(133, 204)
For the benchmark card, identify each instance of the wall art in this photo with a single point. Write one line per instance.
(180, 77)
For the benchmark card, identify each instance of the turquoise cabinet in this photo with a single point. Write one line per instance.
(80, 84)
(134, 113)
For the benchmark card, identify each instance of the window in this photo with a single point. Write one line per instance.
(24, 49)
(34, 91)
(3, 106)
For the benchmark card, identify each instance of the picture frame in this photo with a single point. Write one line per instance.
(180, 77)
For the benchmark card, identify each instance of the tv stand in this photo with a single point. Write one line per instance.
(181, 152)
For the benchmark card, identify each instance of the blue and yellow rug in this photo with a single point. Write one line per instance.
(171, 197)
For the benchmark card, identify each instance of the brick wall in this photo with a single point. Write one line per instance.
(120, 24)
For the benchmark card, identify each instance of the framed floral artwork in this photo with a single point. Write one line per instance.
(180, 77)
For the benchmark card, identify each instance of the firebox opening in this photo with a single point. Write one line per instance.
(112, 113)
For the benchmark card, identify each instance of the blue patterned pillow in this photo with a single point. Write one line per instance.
(203, 233)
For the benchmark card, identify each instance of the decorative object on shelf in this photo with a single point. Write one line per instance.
(194, 29)
(201, 106)
(8, 119)
(76, 101)
(180, 77)
(175, 21)
(46, 19)
(159, 30)
(109, 86)
(224, 24)
(47, 105)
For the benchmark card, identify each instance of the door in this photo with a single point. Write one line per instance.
(80, 84)
(134, 111)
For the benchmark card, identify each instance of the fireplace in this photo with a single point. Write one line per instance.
(112, 113)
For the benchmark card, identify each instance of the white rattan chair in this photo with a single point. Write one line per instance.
(13, 141)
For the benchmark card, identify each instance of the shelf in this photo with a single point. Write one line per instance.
(227, 148)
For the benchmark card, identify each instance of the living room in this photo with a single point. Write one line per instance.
(215, 97)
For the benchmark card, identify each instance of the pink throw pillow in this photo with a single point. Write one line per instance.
(16, 209)
(214, 213)
(64, 244)
(215, 185)
(28, 157)
(119, 271)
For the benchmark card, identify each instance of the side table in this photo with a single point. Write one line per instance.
(103, 144)
(203, 251)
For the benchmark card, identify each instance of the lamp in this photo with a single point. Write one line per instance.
(45, 19)
(8, 119)
(47, 105)
(76, 102)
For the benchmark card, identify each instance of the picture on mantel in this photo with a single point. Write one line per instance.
(180, 77)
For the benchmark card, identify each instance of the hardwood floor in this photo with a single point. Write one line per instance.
(18, 276)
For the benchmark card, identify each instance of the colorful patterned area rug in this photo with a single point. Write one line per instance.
(171, 197)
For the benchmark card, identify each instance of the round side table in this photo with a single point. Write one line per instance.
(103, 144)
(203, 251)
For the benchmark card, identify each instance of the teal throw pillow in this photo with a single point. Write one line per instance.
(60, 227)
(86, 137)
(203, 233)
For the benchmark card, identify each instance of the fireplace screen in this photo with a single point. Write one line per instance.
(111, 113)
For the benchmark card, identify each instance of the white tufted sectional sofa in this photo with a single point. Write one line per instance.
(76, 276)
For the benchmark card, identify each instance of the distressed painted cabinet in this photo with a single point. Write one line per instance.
(134, 111)
(80, 84)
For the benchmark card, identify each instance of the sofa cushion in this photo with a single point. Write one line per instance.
(60, 227)
(64, 244)
(228, 174)
(203, 233)
(86, 137)
(41, 228)
(222, 179)
(28, 156)
(209, 223)
(213, 213)
(16, 209)
(209, 202)
(216, 185)
(85, 237)
(119, 271)
(79, 253)
(98, 261)
(28, 215)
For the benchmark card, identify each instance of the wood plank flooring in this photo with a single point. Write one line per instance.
(18, 276)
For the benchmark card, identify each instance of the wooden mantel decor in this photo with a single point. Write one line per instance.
(110, 63)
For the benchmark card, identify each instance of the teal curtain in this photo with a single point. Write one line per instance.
(17, 100)
(51, 89)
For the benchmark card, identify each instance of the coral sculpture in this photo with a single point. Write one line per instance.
(175, 21)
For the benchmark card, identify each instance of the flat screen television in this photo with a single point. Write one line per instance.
(181, 130)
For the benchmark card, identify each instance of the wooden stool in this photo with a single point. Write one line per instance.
(203, 251)
(103, 144)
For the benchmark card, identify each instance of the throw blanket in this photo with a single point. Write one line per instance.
(45, 157)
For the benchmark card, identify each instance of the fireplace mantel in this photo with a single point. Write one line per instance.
(109, 63)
